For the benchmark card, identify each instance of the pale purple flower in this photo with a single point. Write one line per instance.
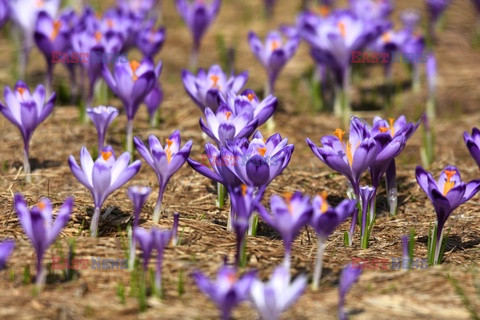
(248, 101)
(150, 40)
(102, 117)
(39, 227)
(103, 176)
(348, 277)
(4, 12)
(6, 248)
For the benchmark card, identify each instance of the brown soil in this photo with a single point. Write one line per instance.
(380, 294)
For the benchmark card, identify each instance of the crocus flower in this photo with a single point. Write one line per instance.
(410, 19)
(102, 117)
(209, 88)
(38, 226)
(269, 6)
(139, 196)
(278, 294)
(197, 15)
(150, 40)
(157, 239)
(348, 277)
(6, 248)
(227, 291)
(350, 158)
(413, 50)
(164, 161)
(473, 144)
(446, 195)
(248, 100)
(324, 221)
(226, 125)
(26, 112)
(274, 54)
(176, 221)
(288, 216)
(372, 11)
(103, 176)
(4, 12)
(436, 8)
(258, 162)
(153, 101)
(51, 36)
(24, 15)
(405, 247)
(132, 82)
(367, 196)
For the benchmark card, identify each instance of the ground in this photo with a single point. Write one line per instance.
(448, 291)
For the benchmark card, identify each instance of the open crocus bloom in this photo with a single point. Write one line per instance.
(395, 127)
(446, 195)
(258, 162)
(350, 158)
(226, 125)
(103, 176)
(274, 54)
(165, 161)
(51, 35)
(289, 215)
(473, 144)
(38, 225)
(248, 100)
(227, 291)
(210, 88)
(150, 40)
(274, 297)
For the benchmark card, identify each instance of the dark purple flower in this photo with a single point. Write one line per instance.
(436, 8)
(226, 125)
(26, 111)
(274, 54)
(258, 162)
(210, 89)
(350, 158)
(198, 15)
(473, 144)
(150, 40)
(289, 215)
(324, 221)
(6, 248)
(157, 239)
(476, 3)
(139, 196)
(248, 100)
(278, 294)
(103, 176)
(164, 161)
(153, 101)
(227, 291)
(348, 277)
(132, 82)
(176, 221)
(38, 226)
(102, 117)
(446, 195)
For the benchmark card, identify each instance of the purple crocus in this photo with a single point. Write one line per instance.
(274, 54)
(103, 176)
(350, 158)
(210, 88)
(197, 15)
(139, 196)
(436, 8)
(4, 12)
(6, 249)
(38, 226)
(324, 221)
(157, 239)
(150, 40)
(164, 161)
(102, 117)
(227, 291)
(289, 215)
(410, 19)
(26, 111)
(278, 294)
(405, 247)
(176, 221)
(473, 144)
(258, 162)
(153, 101)
(51, 36)
(248, 100)
(446, 195)
(348, 277)
(132, 82)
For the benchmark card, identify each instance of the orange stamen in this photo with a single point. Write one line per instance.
(324, 206)
(110, 23)
(262, 151)
(134, 64)
(168, 151)
(386, 37)
(231, 278)
(383, 129)
(98, 36)
(339, 134)
(244, 190)
(56, 29)
(250, 96)
(343, 29)
(41, 205)
(228, 114)
(449, 184)
(21, 90)
(392, 126)
(39, 3)
(288, 197)
(323, 11)
(275, 45)
(215, 79)
(106, 155)
(348, 151)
